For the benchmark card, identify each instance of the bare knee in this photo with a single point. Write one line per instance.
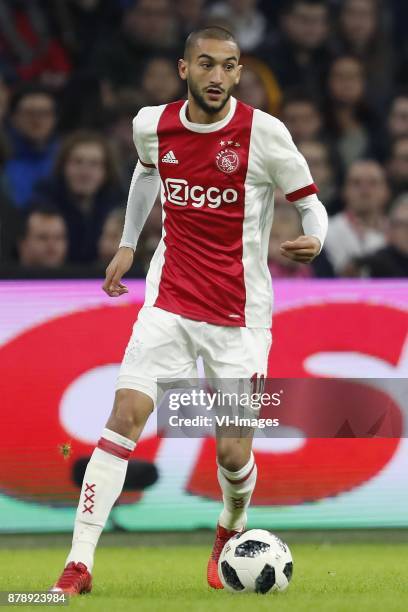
(130, 412)
(232, 455)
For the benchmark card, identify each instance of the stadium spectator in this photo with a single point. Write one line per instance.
(360, 229)
(82, 24)
(32, 140)
(4, 99)
(349, 117)
(28, 49)
(301, 115)
(397, 166)
(10, 221)
(4, 104)
(322, 168)
(286, 226)
(44, 242)
(392, 260)
(148, 27)
(119, 131)
(397, 122)
(108, 245)
(258, 86)
(299, 57)
(244, 19)
(361, 34)
(85, 187)
(150, 236)
(190, 14)
(398, 19)
(10, 217)
(395, 126)
(160, 82)
(111, 234)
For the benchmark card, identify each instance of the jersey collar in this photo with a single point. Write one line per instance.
(207, 127)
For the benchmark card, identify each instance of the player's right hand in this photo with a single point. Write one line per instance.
(119, 265)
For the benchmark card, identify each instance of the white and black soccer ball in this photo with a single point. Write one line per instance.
(255, 561)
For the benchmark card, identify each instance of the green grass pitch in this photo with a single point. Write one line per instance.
(328, 577)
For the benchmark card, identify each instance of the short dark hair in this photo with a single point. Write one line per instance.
(397, 203)
(289, 5)
(209, 32)
(74, 139)
(37, 208)
(400, 93)
(396, 141)
(29, 89)
(298, 96)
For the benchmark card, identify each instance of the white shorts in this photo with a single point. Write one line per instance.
(165, 345)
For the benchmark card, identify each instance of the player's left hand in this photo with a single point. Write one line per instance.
(304, 249)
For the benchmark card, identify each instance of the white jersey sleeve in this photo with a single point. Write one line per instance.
(284, 165)
(146, 180)
(314, 217)
(142, 195)
(145, 134)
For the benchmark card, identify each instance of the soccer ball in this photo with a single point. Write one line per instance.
(255, 561)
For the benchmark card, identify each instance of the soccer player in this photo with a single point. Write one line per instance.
(208, 289)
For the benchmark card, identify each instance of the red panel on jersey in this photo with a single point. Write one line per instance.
(302, 192)
(204, 181)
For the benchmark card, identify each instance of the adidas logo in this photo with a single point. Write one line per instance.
(170, 158)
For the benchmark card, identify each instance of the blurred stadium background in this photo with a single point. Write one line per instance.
(73, 73)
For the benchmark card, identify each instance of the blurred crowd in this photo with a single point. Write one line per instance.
(73, 74)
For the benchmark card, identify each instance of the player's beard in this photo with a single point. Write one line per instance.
(200, 100)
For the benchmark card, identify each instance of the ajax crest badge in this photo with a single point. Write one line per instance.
(227, 161)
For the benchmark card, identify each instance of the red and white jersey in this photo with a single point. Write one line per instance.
(217, 185)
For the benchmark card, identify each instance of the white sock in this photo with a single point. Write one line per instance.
(237, 488)
(102, 485)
